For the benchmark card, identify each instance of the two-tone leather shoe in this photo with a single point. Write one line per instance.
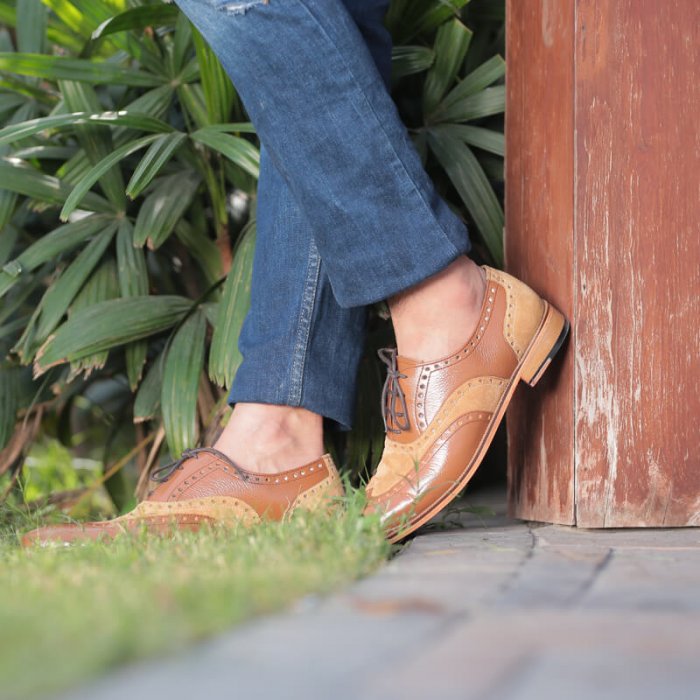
(205, 487)
(441, 415)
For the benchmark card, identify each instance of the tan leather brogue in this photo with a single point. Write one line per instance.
(441, 416)
(204, 486)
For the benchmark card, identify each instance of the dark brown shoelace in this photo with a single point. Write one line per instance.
(163, 473)
(394, 421)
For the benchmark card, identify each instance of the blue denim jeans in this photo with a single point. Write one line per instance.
(346, 214)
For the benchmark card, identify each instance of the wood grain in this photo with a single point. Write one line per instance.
(602, 211)
(539, 244)
(637, 253)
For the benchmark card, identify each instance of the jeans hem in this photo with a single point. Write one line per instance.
(366, 296)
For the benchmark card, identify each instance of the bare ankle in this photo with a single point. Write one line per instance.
(269, 438)
(436, 317)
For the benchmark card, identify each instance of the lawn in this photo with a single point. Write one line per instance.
(68, 614)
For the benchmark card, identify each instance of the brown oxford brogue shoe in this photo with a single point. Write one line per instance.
(441, 416)
(205, 487)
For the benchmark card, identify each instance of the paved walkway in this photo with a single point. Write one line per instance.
(494, 610)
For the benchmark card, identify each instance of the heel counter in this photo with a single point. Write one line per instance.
(335, 483)
(324, 496)
(524, 310)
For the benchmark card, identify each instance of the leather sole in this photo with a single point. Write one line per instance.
(545, 344)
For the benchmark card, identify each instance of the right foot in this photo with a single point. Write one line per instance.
(441, 415)
(433, 318)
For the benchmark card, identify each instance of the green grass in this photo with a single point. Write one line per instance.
(68, 614)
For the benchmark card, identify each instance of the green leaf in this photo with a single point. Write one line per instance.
(407, 60)
(16, 303)
(101, 286)
(224, 356)
(482, 104)
(9, 402)
(181, 374)
(471, 95)
(17, 177)
(487, 73)
(192, 99)
(62, 292)
(485, 139)
(96, 142)
(471, 183)
(109, 324)
(157, 155)
(8, 201)
(230, 127)
(133, 281)
(128, 118)
(202, 248)
(137, 18)
(451, 44)
(96, 12)
(56, 33)
(423, 16)
(163, 207)
(182, 41)
(31, 26)
(61, 153)
(131, 263)
(51, 246)
(8, 239)
(71, 17)
(59, 296)
(11, 102)
(23, 90)
(142, 47)
(147, 401)
(61, 68)
(155, 103)
(88, 180)
(218, 92)
(236, 149)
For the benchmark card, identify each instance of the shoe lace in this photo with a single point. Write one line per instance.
(394, 421)
(163, 473)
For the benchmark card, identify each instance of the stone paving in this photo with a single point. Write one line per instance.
(494, 609)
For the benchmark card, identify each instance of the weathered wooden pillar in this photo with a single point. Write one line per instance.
(603, 217)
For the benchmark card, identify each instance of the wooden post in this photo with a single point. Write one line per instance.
(603, 218)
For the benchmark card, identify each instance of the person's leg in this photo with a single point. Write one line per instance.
(300, 348)
(322, 110)
(324, 114)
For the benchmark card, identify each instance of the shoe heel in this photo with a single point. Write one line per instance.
(544, 346)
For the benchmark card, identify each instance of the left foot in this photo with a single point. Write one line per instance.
(205, 487)
(441, 415)
(267, 439)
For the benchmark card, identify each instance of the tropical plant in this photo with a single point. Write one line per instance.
(127, 213)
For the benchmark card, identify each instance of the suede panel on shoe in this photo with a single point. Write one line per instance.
(208, 488)
(454, 404)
